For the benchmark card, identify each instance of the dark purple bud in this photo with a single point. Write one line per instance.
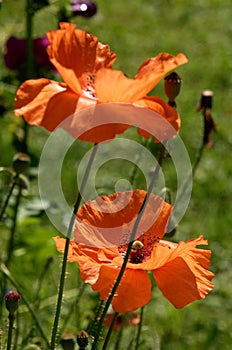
(15, 54)
(85, 8)
(11, 300)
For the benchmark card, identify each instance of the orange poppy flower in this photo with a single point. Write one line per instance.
(89, 80)
(180, 270)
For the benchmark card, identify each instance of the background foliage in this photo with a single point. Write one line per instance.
(135, 30)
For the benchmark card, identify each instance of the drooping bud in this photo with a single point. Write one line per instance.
(12, 301)
(20, 162)
(82, 339)
(172, 87)
(67, 341)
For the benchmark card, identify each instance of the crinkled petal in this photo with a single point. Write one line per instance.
(134, 290)
(89, 259)
(45, 102)
(75, 52)
(181, 271)
(123, 89)
(154, 69)
(109, 220)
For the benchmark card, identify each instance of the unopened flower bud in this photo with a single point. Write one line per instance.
(82, 339)
(20, 162)
(67, 341)
(12, 301)
(206, 100)
(172, 87)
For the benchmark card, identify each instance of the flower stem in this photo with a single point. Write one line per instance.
(29, 48)
(139, 329)
(8, 196)
(133, 234)
(110, 331)
(203, 144)
(65, 256)
(13, 228)
(10, 331)
(6, 273)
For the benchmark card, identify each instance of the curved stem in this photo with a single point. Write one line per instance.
(8, 196)
(133, 234)
(65, 256)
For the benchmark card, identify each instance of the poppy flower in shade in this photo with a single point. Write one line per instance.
(121, 320)
(89, 80)
(179, 269)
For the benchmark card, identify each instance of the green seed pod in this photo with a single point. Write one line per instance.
(20, 162)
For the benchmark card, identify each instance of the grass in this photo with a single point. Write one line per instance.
(135, 30)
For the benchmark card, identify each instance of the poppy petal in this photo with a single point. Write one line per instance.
(130, 90)
(181, 271)
(109, 220)
(155, 68)
(44, 102)
(133, 292)
(158, 105)
(77, 54)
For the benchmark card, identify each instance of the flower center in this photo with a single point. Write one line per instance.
(140, 252)
(88, 89)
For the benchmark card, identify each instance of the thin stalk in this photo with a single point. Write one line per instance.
(29, 48)
(6, 273)
(13, 228)
(133, 234)
(10, 331)
(11, 189)
(65, 256)
(110, 331)
(139, 329)
(119, 337)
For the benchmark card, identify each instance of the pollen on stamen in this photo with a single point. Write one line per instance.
(141, 248)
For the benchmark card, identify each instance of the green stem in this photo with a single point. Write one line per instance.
(133, 234)
(65, 256)
(139, 329)
(29, 48)
(10, 331)
(13, 228)
(201, 149)
(8, 196)
(6, 273)
(110, 331)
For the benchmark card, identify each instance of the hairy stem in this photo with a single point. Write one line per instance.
(65, 256)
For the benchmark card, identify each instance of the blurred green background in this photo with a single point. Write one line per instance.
(136, 30)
